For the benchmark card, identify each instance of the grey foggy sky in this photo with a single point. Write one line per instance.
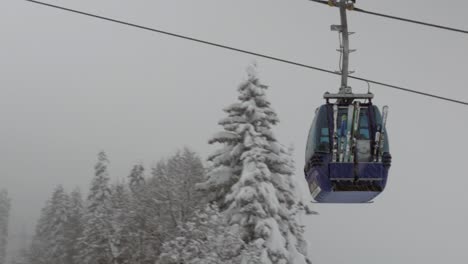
(72, 85)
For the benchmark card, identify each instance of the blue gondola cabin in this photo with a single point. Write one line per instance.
(362, 175)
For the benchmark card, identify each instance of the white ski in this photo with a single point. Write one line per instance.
(377, 142)
(357, 113)
(382, 133)
(342, 138)
(348, 133)
(335, 133)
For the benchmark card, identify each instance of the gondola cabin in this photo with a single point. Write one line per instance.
(347, 155)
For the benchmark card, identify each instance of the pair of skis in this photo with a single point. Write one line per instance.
(338, 138)
(380, 136)
(344, 151)
(352, 132)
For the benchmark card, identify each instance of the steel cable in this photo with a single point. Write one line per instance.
(247, 52)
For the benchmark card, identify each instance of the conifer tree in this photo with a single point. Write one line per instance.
(50, 240)
(167, 199)
(142, 218)
(37, 252)
(96, 242)
(205, 239)
(74, 226)
(57, 224)
(4, 218)
(252, 178)
(147, 228)
(136, 178)
(174, 184)
(121, 238)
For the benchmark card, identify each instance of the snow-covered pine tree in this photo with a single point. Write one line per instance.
(252, 177)
(50, 239)
(74, 226)
(4, 218)
(136, 179)
(142, 218)
(57, 224)
(205, 239)
(38, 245)
(167, 199)
(189, 169)
(95, 244)
(173, 185)
(121, 224)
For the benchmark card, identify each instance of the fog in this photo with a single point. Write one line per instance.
(73, 85)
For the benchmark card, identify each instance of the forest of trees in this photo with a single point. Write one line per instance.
(242, 207)
(118, 222)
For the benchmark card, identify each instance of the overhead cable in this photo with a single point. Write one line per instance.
(399, 18)
(246, 52)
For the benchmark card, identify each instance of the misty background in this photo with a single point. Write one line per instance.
(71, 86)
